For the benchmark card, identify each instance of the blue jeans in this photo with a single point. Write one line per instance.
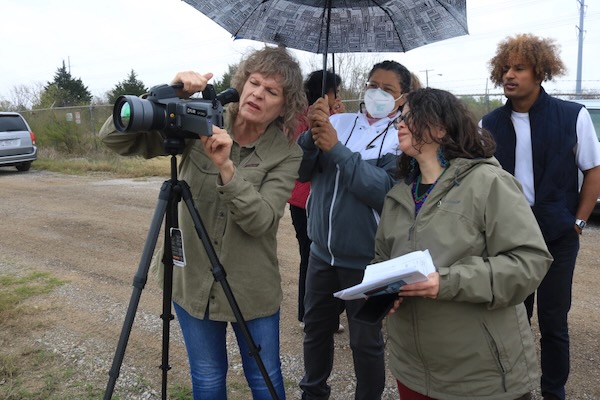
(205, 342)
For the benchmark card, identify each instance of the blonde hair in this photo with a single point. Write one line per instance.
(275, 62)
(541, 54)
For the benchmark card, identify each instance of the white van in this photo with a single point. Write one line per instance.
(593, 106)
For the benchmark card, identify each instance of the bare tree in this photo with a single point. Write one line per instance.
(101, 99)
(5, 105)
(353, 68)
(22, 97)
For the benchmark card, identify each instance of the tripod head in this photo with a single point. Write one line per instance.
(174, 145)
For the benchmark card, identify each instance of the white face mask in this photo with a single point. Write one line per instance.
(379, 103)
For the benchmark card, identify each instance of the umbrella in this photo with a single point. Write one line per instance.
(339, 26)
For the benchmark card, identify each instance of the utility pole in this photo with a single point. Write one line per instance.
(580, 32)
(487, 96)
(427, 75)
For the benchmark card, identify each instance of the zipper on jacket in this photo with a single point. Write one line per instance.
(416, 338)
(496, 354)
(330, 215)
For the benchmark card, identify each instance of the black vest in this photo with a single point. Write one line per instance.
(555, 172)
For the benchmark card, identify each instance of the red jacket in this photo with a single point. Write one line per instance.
(301, 190)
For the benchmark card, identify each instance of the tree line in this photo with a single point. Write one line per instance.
(67, 91)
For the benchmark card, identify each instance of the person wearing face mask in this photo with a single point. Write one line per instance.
(350, 161)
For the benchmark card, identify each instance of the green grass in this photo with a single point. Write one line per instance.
(14, 290)
(178, 392)
(28, 371)
(102, 163)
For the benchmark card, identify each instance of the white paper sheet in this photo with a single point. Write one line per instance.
(388, 276)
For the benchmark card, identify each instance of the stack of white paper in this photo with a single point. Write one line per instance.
(388, 276)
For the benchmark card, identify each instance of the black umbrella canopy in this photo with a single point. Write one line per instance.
(339, 26)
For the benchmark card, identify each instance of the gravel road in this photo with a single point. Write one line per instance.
(91, 230)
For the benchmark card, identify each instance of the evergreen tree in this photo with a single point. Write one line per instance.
(130, 86)
(64, 91)
(481, 105)
(225, 82)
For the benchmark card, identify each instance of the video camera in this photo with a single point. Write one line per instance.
(178, 118)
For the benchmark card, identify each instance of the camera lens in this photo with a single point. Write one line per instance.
(124, 114)
(132, 114)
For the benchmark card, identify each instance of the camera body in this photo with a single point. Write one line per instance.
(178, 118)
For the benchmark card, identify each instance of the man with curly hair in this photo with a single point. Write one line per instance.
(544, 142)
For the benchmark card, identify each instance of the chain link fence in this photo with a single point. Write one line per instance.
(74, 130)
(70, 130)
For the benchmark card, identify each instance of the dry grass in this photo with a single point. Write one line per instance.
(102, 162)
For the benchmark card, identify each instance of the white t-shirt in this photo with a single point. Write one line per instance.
(523, 154)
(587, 149)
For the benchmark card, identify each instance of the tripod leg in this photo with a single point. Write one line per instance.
(139, 281)
(220, 276)
(167, 260)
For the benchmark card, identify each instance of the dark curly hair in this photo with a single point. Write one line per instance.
(438, 108)
(542, 54)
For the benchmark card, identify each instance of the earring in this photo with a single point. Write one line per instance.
(441, 159)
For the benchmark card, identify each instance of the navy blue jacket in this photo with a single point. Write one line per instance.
(555, 172)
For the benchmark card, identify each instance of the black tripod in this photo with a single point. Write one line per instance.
(171, 192)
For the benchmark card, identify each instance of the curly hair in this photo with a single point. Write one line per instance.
(275, 62)
(542, 54)
(431, 108)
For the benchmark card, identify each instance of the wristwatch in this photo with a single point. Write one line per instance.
(581, 223)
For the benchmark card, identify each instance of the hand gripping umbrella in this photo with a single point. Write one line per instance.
(339, 26)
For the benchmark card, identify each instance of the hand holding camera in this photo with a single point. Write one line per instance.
(164, 110)
(191, 82)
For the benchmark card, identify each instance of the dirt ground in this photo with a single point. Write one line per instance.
(90, 231)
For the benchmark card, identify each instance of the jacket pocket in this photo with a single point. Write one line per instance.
(201, 175)
(253, 175)
(497, 353)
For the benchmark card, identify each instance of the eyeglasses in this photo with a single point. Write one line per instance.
(403, 117)
(386, 88)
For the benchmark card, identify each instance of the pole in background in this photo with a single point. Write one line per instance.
(580, 32)
(427, 76)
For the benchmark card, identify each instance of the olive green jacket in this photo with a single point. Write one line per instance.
(474, 341)
(241, 219)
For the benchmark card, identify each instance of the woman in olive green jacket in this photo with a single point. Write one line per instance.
(462, 334)
(240, 178)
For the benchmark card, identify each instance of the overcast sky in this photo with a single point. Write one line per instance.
(101, 41)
